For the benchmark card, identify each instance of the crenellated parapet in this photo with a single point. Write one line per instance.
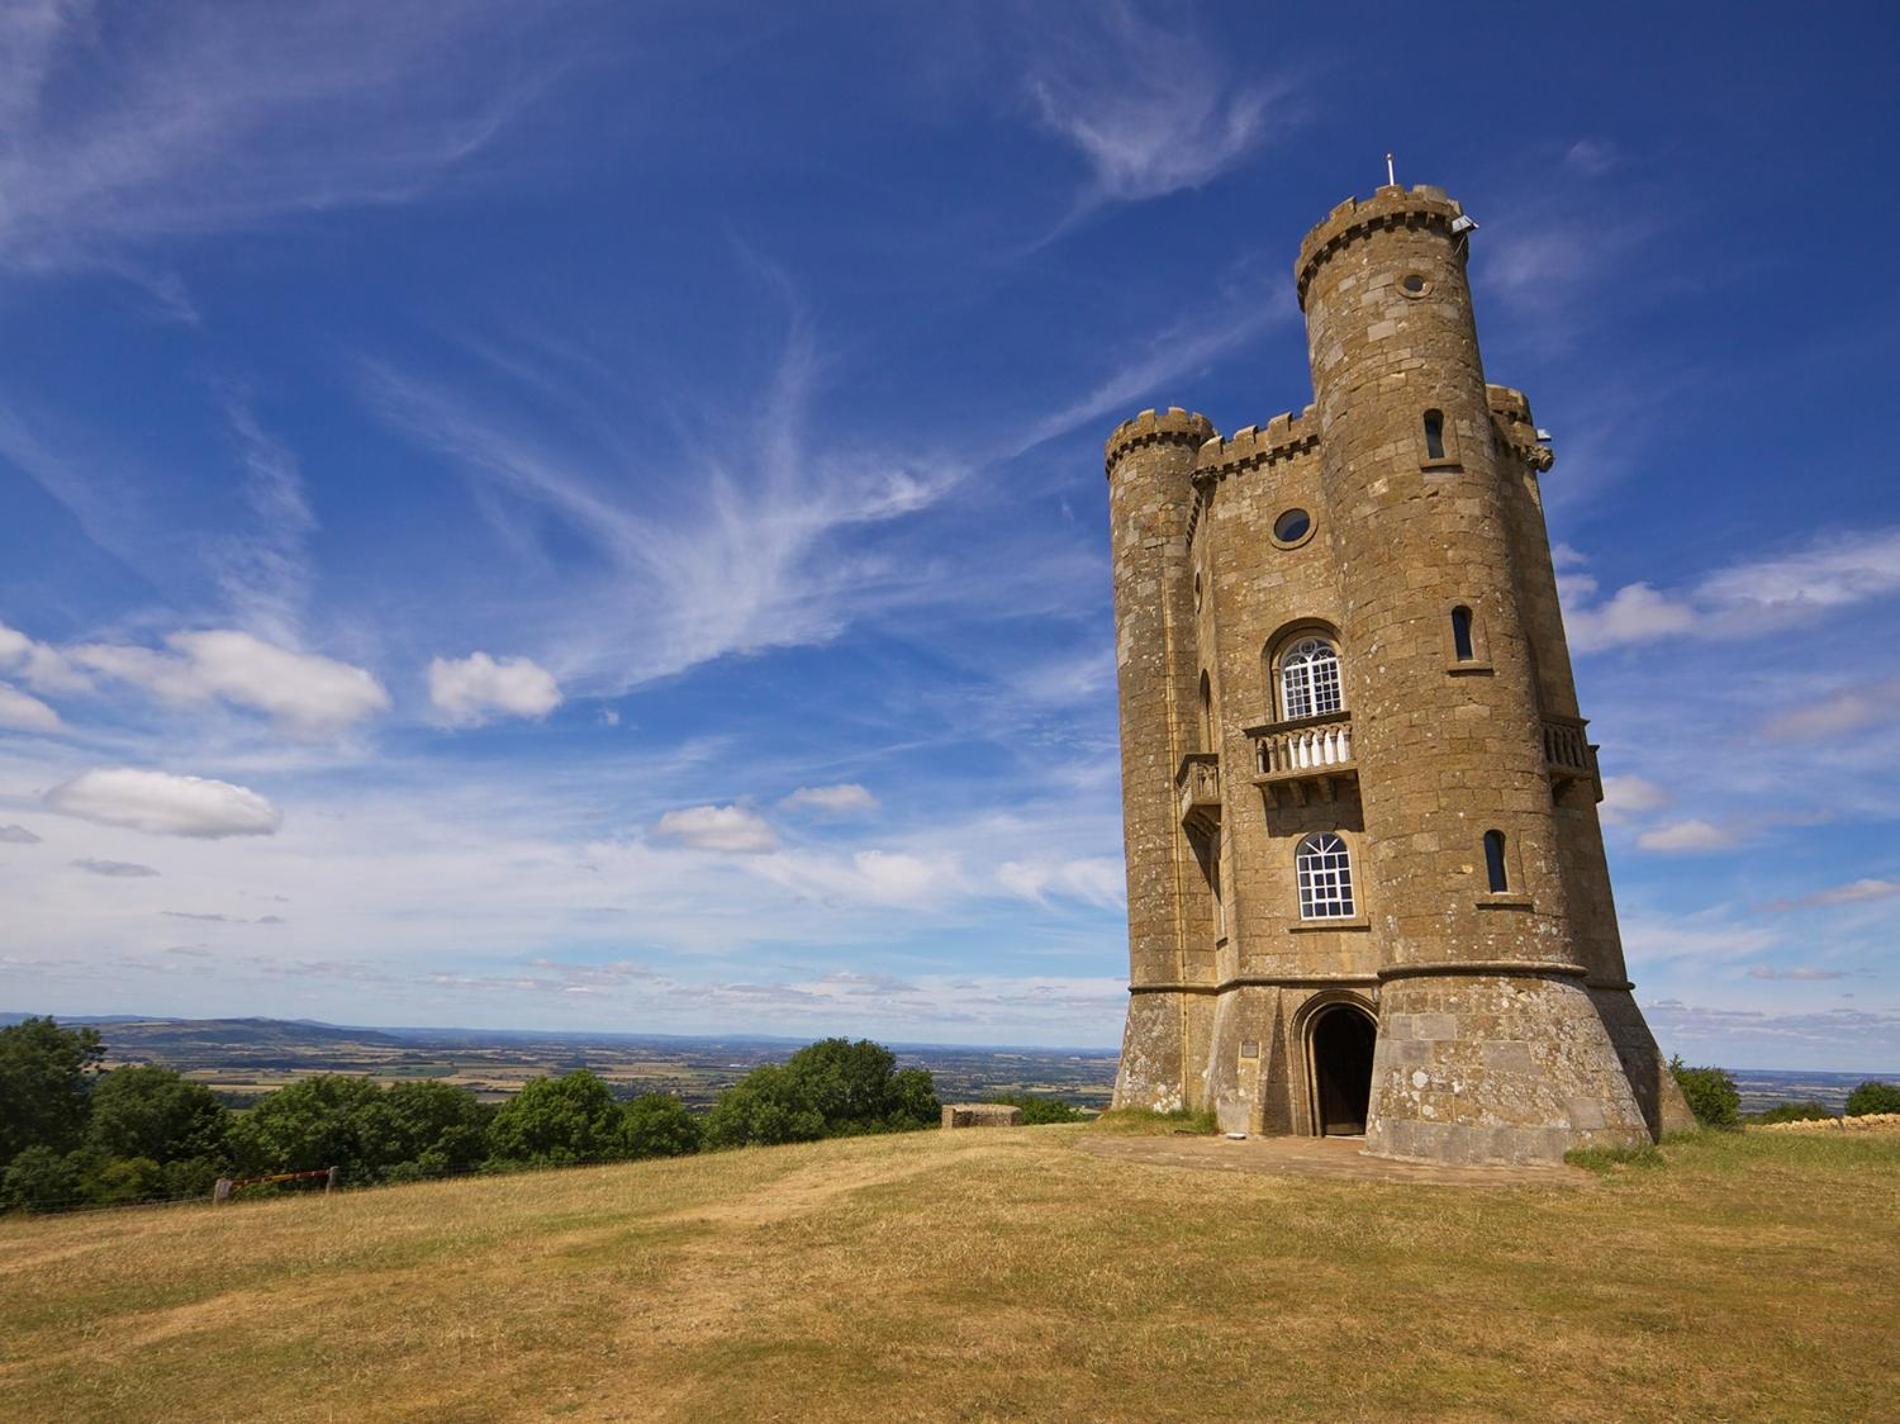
(1174, 426)
(1511, 415)
(1285, 437)
(1354, 221)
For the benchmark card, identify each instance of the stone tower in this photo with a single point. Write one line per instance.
(1366, 882)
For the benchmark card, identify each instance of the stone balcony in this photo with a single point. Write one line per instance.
(1569, 755)
(1198, 783)
(1306, 756)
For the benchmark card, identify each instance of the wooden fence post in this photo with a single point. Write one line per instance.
(222, 1191)
(330, 1180)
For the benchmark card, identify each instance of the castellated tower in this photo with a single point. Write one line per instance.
(1366, 883)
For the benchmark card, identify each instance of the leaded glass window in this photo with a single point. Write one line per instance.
(1309, 680)
(1324, 867)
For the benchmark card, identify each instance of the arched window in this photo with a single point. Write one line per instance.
(1494, 862)
(1434, 434)
(1309, 680)
(1461, 634)
(1324, 868)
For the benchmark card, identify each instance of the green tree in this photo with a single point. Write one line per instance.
(1874, 1096)
(831, 1088)
(42, 1178)
(154, 1113)
(46, 1073)
(657, 1125)
(1711, 1093)
(572, 1118)
(435, 1128)
(765, 1108)
(330, 1120)
(1038, 1111)
(1791, 1112)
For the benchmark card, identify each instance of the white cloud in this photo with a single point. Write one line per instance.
(467, 691)
(1591, 157)
(42, 667)
(117, 869)
(1635, 614)
(222, 117)
(1151, 108)
(844, 799)
(1686, 836)
(305, 694)
(1627, 796)
(868, 877)
(164, 804)
(1652, 939)
(1834, 573)
(1796, 976)
(732, 830)
(265, 573)
(26, 713)
(1098, 880)
(17, 835)
(1856, 892)
(1840, 712)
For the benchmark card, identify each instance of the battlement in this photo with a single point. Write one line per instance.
(1174, 426)
(1512, 412)
(1281, 438)
(1353, 220)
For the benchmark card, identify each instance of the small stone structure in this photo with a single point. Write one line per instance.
(1366, 883)
(981, 1115)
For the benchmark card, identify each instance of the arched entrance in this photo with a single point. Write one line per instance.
(1342, 1039)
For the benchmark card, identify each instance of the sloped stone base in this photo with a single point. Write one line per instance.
(1149, 1075)
(1496, 1068)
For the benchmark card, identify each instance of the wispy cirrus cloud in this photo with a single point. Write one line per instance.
(1152, 107)
(209, 118)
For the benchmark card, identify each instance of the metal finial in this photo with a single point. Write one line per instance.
(1390, 181)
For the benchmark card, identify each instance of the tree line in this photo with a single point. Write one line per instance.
(73, 1133)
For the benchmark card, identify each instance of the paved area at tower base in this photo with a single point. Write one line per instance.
(1333, 1158)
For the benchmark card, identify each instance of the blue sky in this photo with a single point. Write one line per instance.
(591, 516)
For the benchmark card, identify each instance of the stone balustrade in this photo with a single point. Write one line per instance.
(1310, 746)
(1198, 782)
(1568, 753)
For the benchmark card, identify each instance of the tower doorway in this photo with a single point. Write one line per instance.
(1342, 1070)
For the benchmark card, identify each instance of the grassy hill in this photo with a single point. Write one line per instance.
(982, 1276)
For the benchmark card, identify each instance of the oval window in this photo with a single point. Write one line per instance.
(1292, 526)
(1414, 284)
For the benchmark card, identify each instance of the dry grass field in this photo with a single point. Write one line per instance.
(1000, 1275)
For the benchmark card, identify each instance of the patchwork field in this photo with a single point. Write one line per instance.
(987, 1275)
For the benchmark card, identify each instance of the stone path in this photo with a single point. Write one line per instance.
(1338, 1158)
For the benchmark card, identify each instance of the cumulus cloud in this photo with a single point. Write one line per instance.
(163, 804)
(1686, 836)
(1795, 976)
(846, 798)
(868, 877)
(40, 666)
(305, 694)
(123, 869)
(1846, 710)
(1625, 797)
(1856, 892)
(17, 835)
(26, 713)
(1835, 572)
(1097, 880)
(469, 691)
(1151, 108)
(731, 830)
(1636, 613)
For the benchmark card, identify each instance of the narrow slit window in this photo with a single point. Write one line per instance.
(1494, 862)
(1461, 634)
(1434, 434)
(1207, 714)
